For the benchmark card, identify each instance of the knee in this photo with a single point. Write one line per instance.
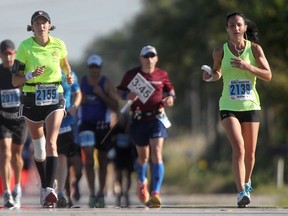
(156, 157)
(142, 159)
(39, 149)
(250, 156)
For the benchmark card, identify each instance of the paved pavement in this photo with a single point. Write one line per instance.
(173, 205)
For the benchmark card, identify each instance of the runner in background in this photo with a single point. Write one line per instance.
(99, 101)
(38, 66)
(123, 156)
(66, 146)
(148, 128)
(13, 131)
(75, 167)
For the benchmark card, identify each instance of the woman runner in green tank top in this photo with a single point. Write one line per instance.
(240, 61)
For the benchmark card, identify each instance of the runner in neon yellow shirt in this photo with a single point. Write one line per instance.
(48, 56)
(240, 62)
(38, 65)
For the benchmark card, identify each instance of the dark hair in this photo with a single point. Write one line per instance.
(251, 31)
(29, 28)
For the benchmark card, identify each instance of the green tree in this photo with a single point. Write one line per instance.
(185, 34)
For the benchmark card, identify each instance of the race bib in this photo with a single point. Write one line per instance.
(141, 87)
(122, 140)
(10, 98)
(46, 94)
(65, 129)
(240, 90)
(86, 138)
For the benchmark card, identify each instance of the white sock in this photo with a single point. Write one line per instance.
(17, 188)
(7, 191)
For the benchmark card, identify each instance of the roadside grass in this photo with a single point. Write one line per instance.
(188, 171)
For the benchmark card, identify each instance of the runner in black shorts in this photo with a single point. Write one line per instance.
(13, 131)
(99, 101)
(243, 116)
(38, 67)
(240, 62)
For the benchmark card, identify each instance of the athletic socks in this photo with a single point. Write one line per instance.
(141, 171)
(157, 178)
(51, 167)
(41, 167)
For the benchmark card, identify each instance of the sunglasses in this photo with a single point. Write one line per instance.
(94, 66)
(149, 56)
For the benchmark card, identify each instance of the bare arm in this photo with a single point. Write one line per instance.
(77, 98)
(65, 66)
(169, 99)
(18, 79)
(217, 60)
(76, 103)
(262, 70)
(109, 96)
(216, 70)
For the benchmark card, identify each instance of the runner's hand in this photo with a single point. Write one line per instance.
(70, 78)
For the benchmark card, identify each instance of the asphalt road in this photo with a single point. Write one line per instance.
(195, 204)
(173, 205)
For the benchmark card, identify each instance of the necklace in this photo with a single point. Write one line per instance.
(239, 51)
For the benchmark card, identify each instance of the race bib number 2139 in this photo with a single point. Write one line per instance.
(240, 90)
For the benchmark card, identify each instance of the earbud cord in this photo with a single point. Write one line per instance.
(238, 51)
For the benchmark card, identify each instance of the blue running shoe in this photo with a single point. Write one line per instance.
(248, 188)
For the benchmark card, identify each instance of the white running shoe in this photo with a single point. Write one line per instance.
(8, 201)
(50, 197)
(17, 199)
(42, 196)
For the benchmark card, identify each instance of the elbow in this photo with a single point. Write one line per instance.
(269, 77)
(14, 83)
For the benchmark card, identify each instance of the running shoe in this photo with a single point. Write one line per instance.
(127, 200)
(69, 203)
(17, 199)
(243, 199)
(154, 201)
(142, 191)
(248, 188)
(118, 200)
(76, 194)
(100, 202)
(92, 201)
(8, 201)
(42, 196)
(62, 201)
(50, 197)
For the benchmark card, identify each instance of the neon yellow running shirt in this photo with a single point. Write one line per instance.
(239, 91)
(33, 55)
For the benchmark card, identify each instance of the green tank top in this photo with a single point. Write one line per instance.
(239, 86)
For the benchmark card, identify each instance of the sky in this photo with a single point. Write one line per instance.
(78, 22)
